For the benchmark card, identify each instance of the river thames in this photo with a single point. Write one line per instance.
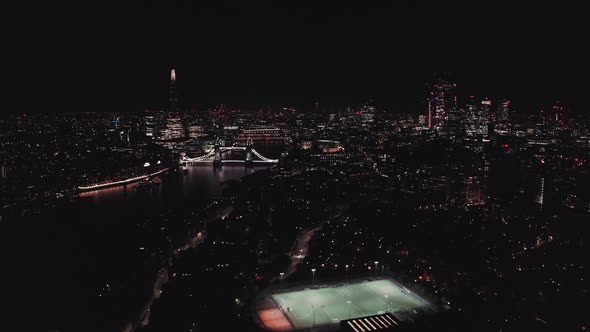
(200, 184)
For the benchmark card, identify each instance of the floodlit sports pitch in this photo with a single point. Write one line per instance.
(309, 308)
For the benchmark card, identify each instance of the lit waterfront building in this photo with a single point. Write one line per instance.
(150, 128)
(196, 131)
(173, 130)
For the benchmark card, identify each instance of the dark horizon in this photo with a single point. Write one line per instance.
(117, 58)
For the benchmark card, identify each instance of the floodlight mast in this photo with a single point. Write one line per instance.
(349, 307)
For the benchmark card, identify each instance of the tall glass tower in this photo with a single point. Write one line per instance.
(442, 104)
(172, 94)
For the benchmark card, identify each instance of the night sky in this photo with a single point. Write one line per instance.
(117, 57)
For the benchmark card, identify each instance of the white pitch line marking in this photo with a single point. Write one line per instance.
(354, 328)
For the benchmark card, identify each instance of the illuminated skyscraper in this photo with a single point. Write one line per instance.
(367, 114)
(485, 116)
(502, 124)
(471, 116)
(172, 94)
(503, 110)
(173, 129)
(558, 113)
(486, 109)
(442, 105)
(150, 127)
(477, 116)
(456, 120)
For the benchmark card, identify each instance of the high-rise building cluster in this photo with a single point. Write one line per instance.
(472, 117)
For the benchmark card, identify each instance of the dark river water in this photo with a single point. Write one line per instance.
(201, 184)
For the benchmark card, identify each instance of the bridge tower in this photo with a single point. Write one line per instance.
(217, 156)
(249, 158)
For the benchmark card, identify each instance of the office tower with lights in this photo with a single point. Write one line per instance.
(196, 130)
(472, 116)
(503, 110)
(485, 117)
(455, 121)
(477, 117)
(367, 114)
(486, 109)
(502, 124)
(174, 128)
(557, 114)
(443, 114)
(150, 126)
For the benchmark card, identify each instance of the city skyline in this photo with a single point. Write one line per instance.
(175, 101)
(270, 166)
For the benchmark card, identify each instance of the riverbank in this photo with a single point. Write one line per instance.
(121, 182)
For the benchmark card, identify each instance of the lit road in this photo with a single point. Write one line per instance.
(162, 279)
(301, 246)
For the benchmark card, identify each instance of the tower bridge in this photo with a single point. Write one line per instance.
(215, 157)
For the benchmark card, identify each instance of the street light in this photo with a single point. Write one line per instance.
(313, 276)
(346, 271)
(282, 274)
(349, 307)
(284, 304)
(376, 262)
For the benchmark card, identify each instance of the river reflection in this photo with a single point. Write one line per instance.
(176, 191)
(201, 183)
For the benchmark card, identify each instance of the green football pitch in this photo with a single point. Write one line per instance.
(320, 306)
